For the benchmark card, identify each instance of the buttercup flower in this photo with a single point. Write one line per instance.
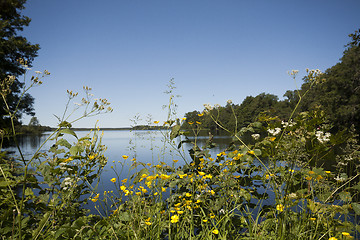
(125, 157)
(215, 231)
(280, 207)
(113, 180)
(174, 219)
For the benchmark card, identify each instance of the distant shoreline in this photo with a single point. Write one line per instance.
(118, 129)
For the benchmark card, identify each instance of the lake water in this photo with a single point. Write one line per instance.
(145, 146)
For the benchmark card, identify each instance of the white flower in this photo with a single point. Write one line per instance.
(287, 124)
(292, 195)
(275, 131)
(208, 107)
(229, 101)
(255, 136)
(339, 179)
(322, 137)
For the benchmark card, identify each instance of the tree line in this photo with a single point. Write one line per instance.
(337, 94)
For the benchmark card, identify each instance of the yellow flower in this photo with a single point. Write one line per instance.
(174, 219)
(251, 152)
(327, 172)
(345, 234)
(319, 177)
(138, 193)
(164, 176)
(200, 114)
(209, 176)
(125, 157)
(280, 207)
(190, 123)
(122, 188)
(182, 175)
(148, 223)
(175, 161)
(212, 192)
(124, 180)
(68, 159)
(184, 118)
(215, 231)
(156, 122)
(205, 220)
(188, 194)
(308, 178)
(198, 122)
(311, 172)
(180, 212)
(163, 189)
(272, 139)
(312, 219)
(113, 180)
(94, 199)
(201, 173)
(333, 238)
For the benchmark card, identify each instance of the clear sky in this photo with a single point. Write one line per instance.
(128, 50)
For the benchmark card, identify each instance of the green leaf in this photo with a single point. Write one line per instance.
(42, 223)
(29, 192)
(74, 150)
(6, 183)
(356, 207)
(68, 131)
(257, 152)
(124, 216)
(63, 142)
(174, 132)
(345, 196)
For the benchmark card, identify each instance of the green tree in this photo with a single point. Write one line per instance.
(12, 48)
(339, 93)
(34, 122)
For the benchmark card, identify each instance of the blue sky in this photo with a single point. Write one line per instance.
(128, 50)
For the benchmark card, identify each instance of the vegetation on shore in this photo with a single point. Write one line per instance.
(338, 95)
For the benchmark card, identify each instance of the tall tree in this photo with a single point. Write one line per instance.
(339, 94)
(12, 48)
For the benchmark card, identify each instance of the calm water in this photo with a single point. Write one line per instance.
(146, 146)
